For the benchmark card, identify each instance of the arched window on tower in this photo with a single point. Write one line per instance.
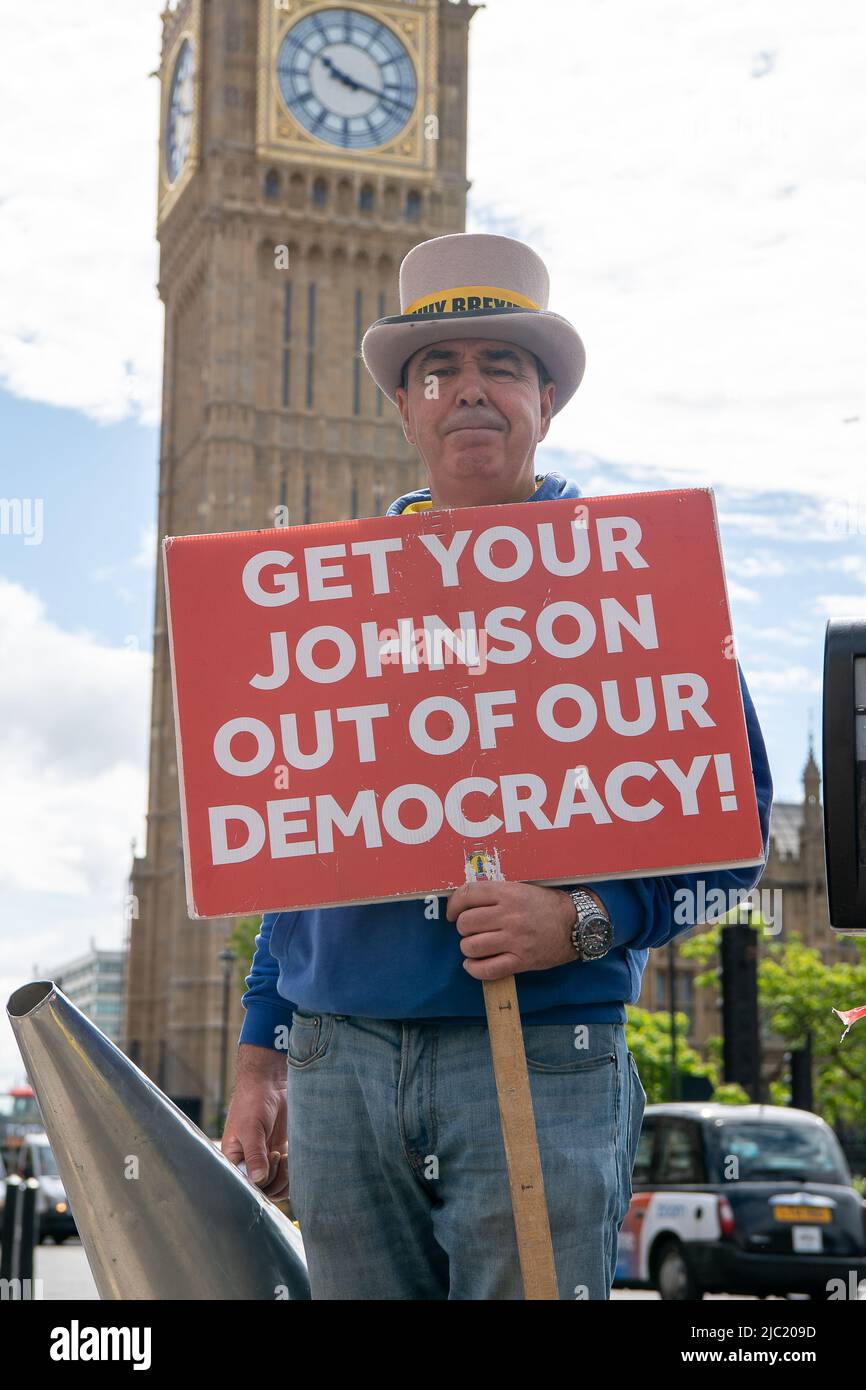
(272, 184)
(320, 193)
(297, 191)
(366, 198)
(413, 205)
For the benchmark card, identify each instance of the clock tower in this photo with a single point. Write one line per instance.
(304, 148)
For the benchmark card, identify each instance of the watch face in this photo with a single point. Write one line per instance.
(595, 936)
(347, 78)
(180, 106)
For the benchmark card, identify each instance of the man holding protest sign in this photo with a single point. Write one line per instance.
(387, 1135)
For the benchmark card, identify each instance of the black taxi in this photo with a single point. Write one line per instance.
(749, 1199)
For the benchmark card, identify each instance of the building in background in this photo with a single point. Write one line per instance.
(95, 982)
(304, 148)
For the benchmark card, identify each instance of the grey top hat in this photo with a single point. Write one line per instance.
(474, 285)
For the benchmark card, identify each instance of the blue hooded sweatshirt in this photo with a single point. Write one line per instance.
(400, 960)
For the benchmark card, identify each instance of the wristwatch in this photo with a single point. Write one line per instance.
(592, 933)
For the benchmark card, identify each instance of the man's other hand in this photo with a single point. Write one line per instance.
(255, 1127)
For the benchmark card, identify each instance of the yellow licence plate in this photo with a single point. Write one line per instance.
(804, 1214)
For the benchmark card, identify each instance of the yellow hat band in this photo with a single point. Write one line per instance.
(465, 298)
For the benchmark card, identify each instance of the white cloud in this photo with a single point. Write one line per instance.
(699, 223)
(145, 557)
(786, 636)
(73, 744)
(760, 566)
(741, 593)
(787, 518)
(851, 564)
(787, 679)
(840, 605)
(78, 259)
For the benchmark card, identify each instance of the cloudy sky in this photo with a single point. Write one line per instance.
(693, 176)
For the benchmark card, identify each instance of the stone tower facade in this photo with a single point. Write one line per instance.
(305, 147)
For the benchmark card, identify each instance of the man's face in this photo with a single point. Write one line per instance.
(473, 409)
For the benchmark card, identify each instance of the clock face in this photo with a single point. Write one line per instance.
(181, 97)
(347, 78)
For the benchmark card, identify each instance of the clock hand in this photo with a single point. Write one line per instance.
(389, 101)
(341, 76)
(362, 86)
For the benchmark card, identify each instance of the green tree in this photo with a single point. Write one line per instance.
(648, 1033)
(242, 940)
(797, 992)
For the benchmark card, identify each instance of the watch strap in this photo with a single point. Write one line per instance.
(585, 908)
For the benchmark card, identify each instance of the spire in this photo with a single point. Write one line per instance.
(811, 773)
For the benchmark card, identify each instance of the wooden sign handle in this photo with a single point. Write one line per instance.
(517, 1118)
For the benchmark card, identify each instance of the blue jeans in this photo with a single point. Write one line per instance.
(397, 1170)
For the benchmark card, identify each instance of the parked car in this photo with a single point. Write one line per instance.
(750, 1199)
(53, 1212)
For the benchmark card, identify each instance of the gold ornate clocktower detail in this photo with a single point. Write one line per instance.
(336, 80)
(304, 148)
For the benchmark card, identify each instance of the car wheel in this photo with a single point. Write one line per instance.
(674, 1279)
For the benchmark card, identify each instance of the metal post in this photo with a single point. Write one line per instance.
(29, 1233)
(8, 1250)
(227, 957)
(20, 1221)
(672, 1000)
(192, 1226)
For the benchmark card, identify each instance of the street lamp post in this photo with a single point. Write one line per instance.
(227, 958)
(674, 1087)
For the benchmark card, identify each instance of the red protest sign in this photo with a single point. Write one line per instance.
(361, 704)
